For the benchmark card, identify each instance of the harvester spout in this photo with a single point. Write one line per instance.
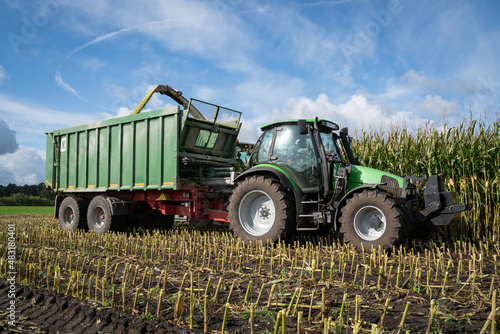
(174, 95)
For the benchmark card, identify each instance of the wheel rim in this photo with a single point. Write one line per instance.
(370, 223)
(257, 213)
(68, 216)
(98, 217)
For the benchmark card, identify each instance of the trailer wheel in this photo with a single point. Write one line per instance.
(72, 215)
(371, 218)
(259, 209)
(99, 218)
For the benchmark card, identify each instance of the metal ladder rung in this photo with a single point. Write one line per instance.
(307, 228)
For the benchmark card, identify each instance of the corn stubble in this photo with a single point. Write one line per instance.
(158, 276)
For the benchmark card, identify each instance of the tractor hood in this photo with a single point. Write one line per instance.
(361, 175)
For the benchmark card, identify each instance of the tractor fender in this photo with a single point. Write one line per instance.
(349, 194)
(285, 179)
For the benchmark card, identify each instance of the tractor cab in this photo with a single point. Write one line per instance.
(298, 152)
(306, 155)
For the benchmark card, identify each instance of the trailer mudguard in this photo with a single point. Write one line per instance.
(118, 206)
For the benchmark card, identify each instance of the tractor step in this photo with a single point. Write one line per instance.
(309, 202)
(307, 228)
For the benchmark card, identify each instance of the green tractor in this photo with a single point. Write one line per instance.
(303, 176)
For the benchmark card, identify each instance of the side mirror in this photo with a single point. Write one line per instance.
(302, 125)
(345, 133)
(347, 145)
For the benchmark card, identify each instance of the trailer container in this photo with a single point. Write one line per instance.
(164, 160)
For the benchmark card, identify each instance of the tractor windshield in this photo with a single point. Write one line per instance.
(331, 148)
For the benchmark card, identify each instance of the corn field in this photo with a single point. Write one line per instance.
(467, 154)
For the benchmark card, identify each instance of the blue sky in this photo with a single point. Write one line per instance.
(364, 64)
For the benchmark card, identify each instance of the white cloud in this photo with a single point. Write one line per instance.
(122, 111)
(206, 93)
(436, 105)
(414, 77)
(60, 82)
(159, 101)
(358, 112)
(30, 121)
(92, 64)
(27, 114)
(196, 28)
(25, 166)
(3, 76)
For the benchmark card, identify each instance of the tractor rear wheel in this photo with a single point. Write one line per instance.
(260, 210)
(372, 218)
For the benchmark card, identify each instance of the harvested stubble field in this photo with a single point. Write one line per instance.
(194, 280)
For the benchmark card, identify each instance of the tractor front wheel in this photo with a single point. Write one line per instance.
(259, 209)
(371, 218)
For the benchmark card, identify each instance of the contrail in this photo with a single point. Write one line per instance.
(58, 76)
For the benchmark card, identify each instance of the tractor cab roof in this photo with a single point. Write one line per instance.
(323, 123)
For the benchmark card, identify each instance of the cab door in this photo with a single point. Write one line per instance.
(294, 153)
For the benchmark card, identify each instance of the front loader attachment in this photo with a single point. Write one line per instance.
(441, 207)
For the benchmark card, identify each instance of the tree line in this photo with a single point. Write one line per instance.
(27, 195)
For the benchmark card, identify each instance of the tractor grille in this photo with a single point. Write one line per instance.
(391, 186)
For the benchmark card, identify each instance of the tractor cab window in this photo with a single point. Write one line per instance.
(331, 148)
(295, 153)
(293, 148)
(265, 147)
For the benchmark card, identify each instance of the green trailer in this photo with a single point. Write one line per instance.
(154, 165)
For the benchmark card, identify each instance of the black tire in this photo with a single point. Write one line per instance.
(161, 221)
(200, 223)
(99, 218)
(72, 214)
(260, 209)
(372, 218)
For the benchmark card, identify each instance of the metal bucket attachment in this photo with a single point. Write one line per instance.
(441, 207)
